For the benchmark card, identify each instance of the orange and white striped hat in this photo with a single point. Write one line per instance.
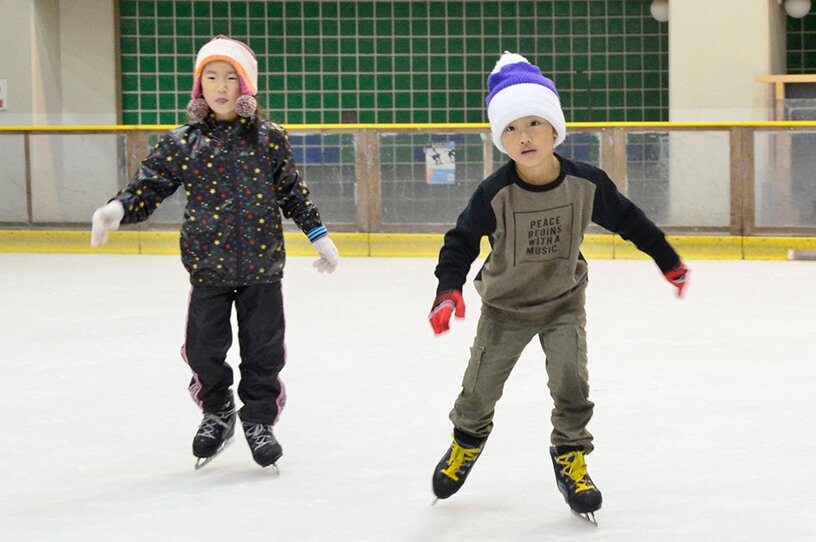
(236, 53)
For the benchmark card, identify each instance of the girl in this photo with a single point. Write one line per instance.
(239, 176)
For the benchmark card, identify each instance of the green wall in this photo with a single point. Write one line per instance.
(801, 44)
(399, 61)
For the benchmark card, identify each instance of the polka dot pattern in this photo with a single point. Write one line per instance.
(239, 178)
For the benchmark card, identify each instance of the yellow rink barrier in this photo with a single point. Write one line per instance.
(406, 245)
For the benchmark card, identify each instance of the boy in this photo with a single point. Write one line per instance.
(534, 210)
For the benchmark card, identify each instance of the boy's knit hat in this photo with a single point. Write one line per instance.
(517, 89)
(242, 59)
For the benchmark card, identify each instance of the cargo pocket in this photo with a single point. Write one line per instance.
(472, 372)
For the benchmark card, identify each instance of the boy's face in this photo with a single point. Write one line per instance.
(221, 88)
(529, 141)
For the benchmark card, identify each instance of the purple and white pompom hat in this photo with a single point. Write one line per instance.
(518, 89)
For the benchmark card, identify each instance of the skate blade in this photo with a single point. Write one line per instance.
(202, 461)
(273, 465)
(589, 517)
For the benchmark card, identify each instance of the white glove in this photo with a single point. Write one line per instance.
(106, 219)
(328, 255)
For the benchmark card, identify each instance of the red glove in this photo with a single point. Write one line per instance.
(679, 277)
(443, 307)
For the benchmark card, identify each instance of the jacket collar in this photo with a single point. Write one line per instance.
(238, 127)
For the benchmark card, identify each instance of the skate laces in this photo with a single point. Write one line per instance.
(459, 456)
(575, 468)
(259, 435)
(209, 424)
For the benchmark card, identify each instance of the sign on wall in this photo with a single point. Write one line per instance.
(3, 95)
(440, 163)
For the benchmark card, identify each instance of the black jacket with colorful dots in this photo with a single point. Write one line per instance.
(238, 177)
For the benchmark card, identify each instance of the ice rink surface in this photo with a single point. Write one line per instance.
(704, 418)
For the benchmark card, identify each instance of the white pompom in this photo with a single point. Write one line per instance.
(508, 58)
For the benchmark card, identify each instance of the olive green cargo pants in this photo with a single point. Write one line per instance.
(495, 351)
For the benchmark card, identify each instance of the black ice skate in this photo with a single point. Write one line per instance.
(265, 447)
(454, 467)
(574, 482)
(214, 433)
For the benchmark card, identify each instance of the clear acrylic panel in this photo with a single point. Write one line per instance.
(582, 146)
(800, 109)
(13, 190)
(647, 173)
(428, 178)
(72, 175)
(680, 178)
(785, 179)
(327, 164)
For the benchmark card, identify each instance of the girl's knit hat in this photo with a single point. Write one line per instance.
(242, 59)
(517, 89)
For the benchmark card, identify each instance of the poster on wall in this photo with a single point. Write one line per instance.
(440, 163)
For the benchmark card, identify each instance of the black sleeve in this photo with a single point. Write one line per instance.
(463, 242)
(290, 190)
(155, 180)
(613, 211)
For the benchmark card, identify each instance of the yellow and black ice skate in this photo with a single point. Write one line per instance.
(574, 482)
(454, 467)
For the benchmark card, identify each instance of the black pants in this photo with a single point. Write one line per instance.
(259, 309)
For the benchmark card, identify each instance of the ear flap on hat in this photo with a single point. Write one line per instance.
(197, 109)
(246, 106)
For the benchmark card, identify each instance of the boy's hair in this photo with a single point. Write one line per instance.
(517, 89)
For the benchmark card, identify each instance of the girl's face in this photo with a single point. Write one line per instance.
(221, 88)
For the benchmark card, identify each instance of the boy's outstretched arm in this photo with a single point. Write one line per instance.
(613, 211)
(461, 247)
